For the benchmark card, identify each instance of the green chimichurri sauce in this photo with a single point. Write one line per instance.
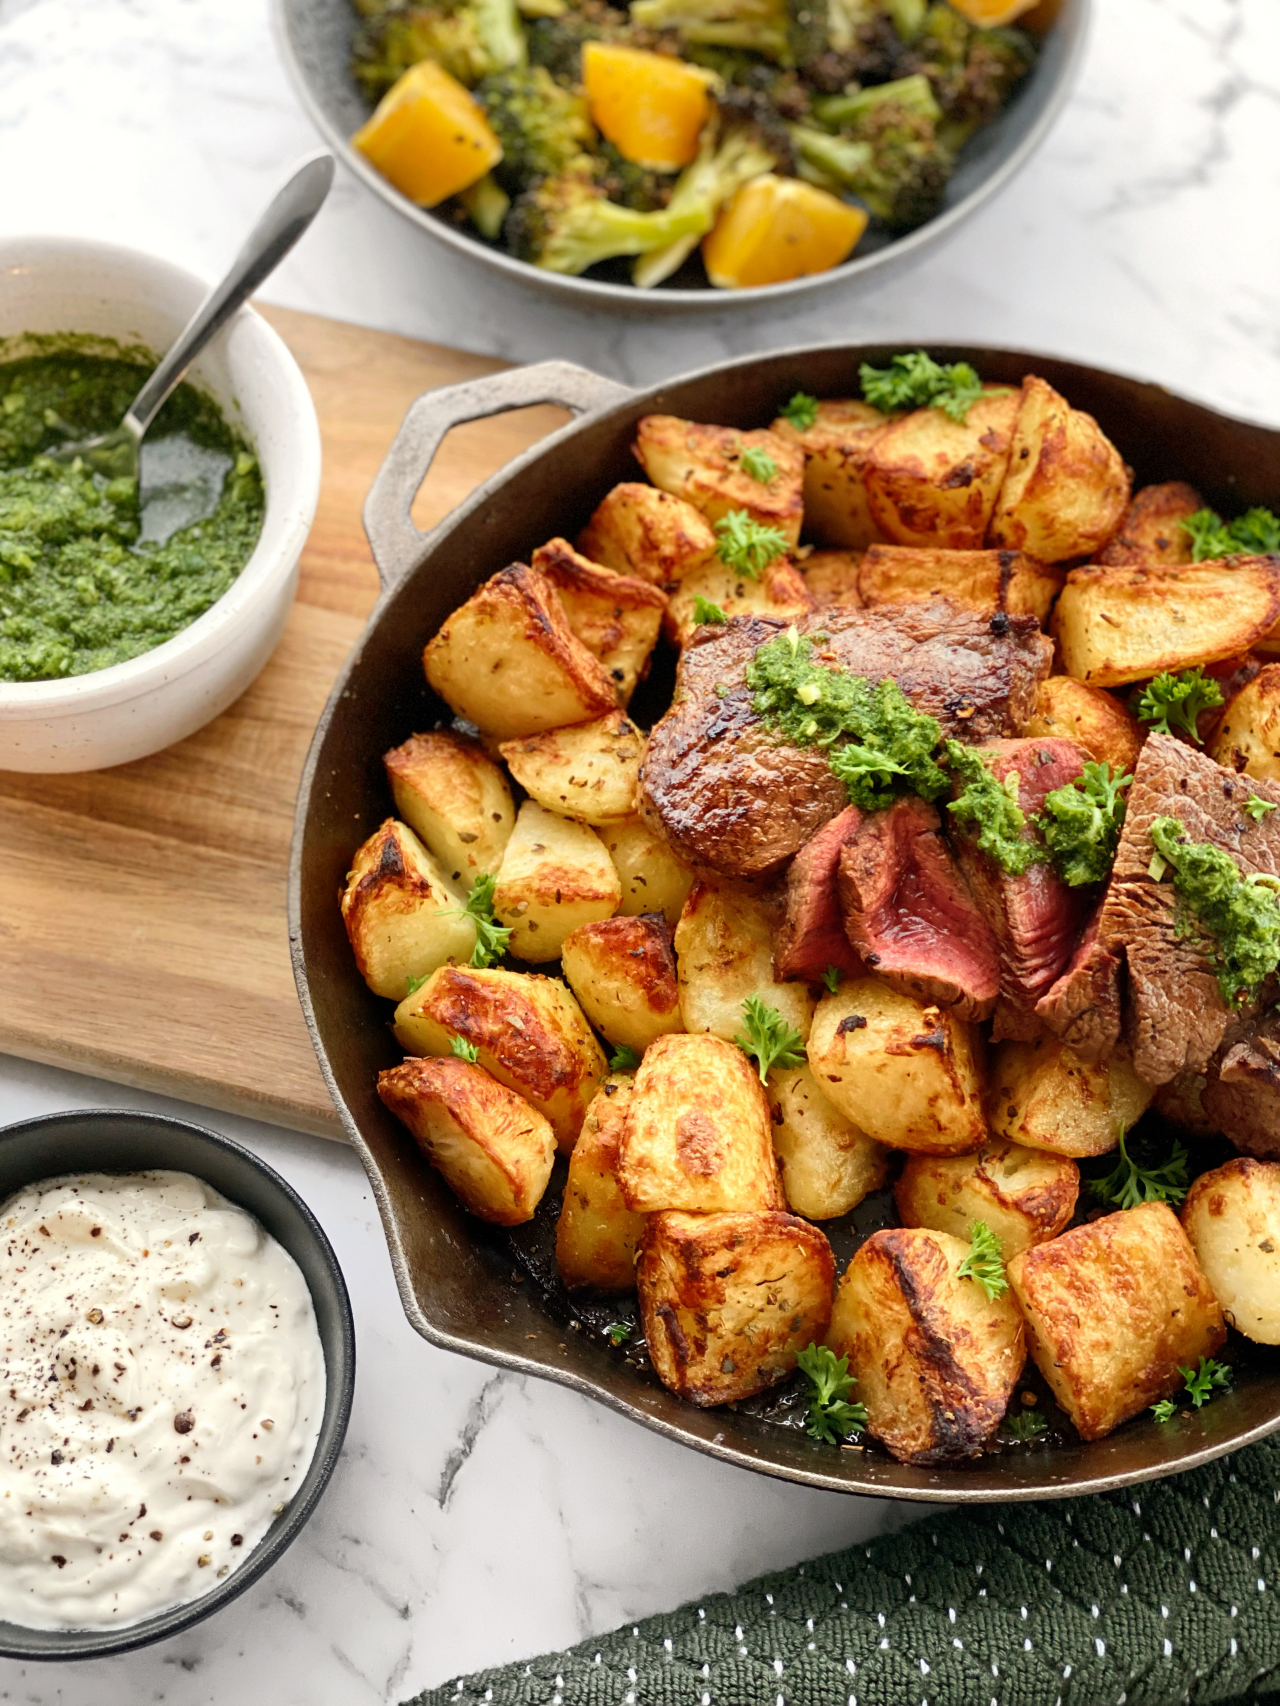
(92, 572)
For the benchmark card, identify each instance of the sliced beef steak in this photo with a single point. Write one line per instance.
(909, 913)
(1241, 1097)
(732, 799)
(1083, 1005)
(812, 935)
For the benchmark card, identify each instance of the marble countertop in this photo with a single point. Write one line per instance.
(478, 1517)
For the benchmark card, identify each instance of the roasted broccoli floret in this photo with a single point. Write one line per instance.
(638, 187)
(556, 42)
(543, 128)
(887, 151)
(763, 26)
(470, 40)
(972, 72)
(568, 224)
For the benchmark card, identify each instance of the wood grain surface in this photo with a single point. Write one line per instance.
(143, 935)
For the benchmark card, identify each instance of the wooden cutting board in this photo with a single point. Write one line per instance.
(143, 935)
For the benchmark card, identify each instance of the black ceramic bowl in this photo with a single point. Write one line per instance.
(104, 1141)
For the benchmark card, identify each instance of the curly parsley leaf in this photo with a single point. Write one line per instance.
(831, 979)
(917, 381)
(1128, 1184)
(491, 937)
(832, 1417)
(1026, 1425)
(416, 983)
(464, 1050)
(755, 460)
(1257, 809)
(1164, 1410)
(623, 1059)
(618, 1331)
(1256, 533)
(1236, 917)
(1171, 702)
(990, 809)
(1081, 824)
(1205, 1380)
(770, 1041)
(801, 411)
(705, 611)
(984, 1264)
(748, 546)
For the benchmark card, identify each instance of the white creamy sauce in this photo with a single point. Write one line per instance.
(161, 1390)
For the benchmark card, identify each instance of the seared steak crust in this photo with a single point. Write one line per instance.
(1083, 1006)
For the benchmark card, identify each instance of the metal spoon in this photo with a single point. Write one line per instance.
(115, 453)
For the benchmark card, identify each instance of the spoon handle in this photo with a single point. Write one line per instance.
(279, 228)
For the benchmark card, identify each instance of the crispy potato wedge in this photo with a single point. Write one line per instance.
(597, 1235)
(1247, 738)
(936, 1359)
(653, 878)
(623, 972)
(617, 617)
(588, 772)
(933, 481)
(1068, 709)
(836, 447)
(403, 915)
(780, 591)
(1025, 1196)
(980, 580)
(1125, 624)
(1112, 1309)
(528, 1031)
(1151, 530)
(638, 530)
(729, 1301)
(554, 876)
(907, 1074)
(828, 1163)
(455, 799)
(697, 1135)
(494, 1151)
(1232, 1217)
(703, 465)
(832, 578)
(1046, 1096)
(1066, 488)
(724, 951)
(509, 661)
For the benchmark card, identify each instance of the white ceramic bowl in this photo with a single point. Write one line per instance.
(87, 722)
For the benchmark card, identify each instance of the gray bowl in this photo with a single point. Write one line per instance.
(314, 38)
(107, 1141)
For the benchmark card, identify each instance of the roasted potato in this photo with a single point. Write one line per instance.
(528, 1031)
(1068, 709)
(1066, 487)
(724, 951)
(1046, 1096)
(703, 465)
(455, 798)
(623, 972)
(494, 1150)
(907, 1074)
(979, 580)
(1025, 1196)
(933, 481)
(653, 879)
(832, 578)
(554, 876)
(638, 530)
(729, 1301)
(588, 772)
(828, 1163)
(697, 1131)
(1247, 738)
(617, 617)
(508, 660)
(403, 915)
(597, 1235)
(1112, 1309)
(835, 448)
(1151, 529)
(1232, 1217)
(779, 591)
(935, 1358)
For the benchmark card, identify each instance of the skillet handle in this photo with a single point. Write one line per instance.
(397, 544)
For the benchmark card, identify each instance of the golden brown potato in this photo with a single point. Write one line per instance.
(936, 1359)
(528, 1031)
(1046, 1096)
(623, 972)
(1072, 710)
(494, 1150)
(780, 591)
(979, 580)
(729, 1301)
(638, 530)
(908, 1074)
(703, 465)
(588, 772)
(509, 661)
(828, 1163)
(653, 878)
(597, 1235)
(1066, 487)
(724, 950)
(1151, 529)
(455, 798)
(933, 481)
(832, 578)
(836, 448)
(1111, 1311)
(554, 876)
(697, 1131)
(1025, 1196)
(617, 617)
(403, 916)
(1232, 1217)
(1247, 738)
(1125, 624)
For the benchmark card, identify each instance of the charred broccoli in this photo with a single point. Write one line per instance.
(470, 40)
(556, 42)
(972, 72)
(567, 224)
(763, 26)
(887, 152)
(543, 128)
(638, 187)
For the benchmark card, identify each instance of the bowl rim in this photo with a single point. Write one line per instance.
(78, 1644)
(268, 565)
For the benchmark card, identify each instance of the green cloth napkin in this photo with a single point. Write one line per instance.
(1163, 1593)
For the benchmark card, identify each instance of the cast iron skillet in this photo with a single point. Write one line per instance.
(457, 1280)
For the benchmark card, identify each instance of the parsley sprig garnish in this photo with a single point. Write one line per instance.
(1255, 533)
(416, 983)
(770, 1041)
(1128, 1184)
(831, 979)
(1081, 824)
(756, 461)
(1026, 1425)
(1257, 809)
(623, 1059)
(1170, 702)
(801, 411)
(917, 381)
(464, 1050)
(705, 611)
(748, 546)
(491, 937)
(984, 1264)
(1201, 1385)
(618, 1332)
(832, 1417)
